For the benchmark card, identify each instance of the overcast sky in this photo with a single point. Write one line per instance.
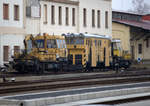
(124, 4)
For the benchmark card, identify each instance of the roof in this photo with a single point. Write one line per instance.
(116, 40)
(140, 24)
(63, 1)
(87, 35)
(127, 12)
(146, 17)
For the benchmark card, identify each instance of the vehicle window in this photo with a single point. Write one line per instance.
(40, 43)
(79, 41)
(58, 43)
(61, 43)
(117, 45)
(100, 43)
(72, 40)
(67, 41)
(51, 43)
(95, 42)
(64, 43)
(75, 40)
(29, 46)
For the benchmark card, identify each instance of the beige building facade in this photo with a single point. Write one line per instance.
(134, 32)
(122, 32)
(140, 44)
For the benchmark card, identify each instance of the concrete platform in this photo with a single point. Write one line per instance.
(75, 96)
(140, 103)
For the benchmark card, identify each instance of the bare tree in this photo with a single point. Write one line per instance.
(140, 7)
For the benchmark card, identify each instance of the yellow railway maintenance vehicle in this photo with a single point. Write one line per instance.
(46, 52)
(122, 59)
(88, 50)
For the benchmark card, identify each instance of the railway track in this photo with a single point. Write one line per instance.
(88, 77)
(16, 74)
(68, 84)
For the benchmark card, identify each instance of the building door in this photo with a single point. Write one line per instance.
(5, 53)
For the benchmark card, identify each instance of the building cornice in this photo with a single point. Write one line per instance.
(63, 1)
(108, 0)
(12, 30)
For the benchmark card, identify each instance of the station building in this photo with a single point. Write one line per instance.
(12, 28)
(134, 32)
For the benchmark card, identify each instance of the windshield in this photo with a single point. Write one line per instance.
(61, 43)
(51, 43)
(29, 46)
(75, 40)
(64, 43)
(117, 45)
(40, 43)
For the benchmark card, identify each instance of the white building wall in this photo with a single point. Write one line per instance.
(33, 26)
(11, 40)
(11, 22)
(1, 56)
(11, 32)
(57, 29)
(101, 5)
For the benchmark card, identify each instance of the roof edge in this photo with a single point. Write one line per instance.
(63, 1)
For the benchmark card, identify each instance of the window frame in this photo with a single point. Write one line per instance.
(16, 13)
(60, 15)
(139, 48)
(52, 14)
(45, 14)
(73, 16)
(5, 11)
(106, 19)
(5, 53)
(93, 18)
(84, 17)
(67, 15)
(98, 18)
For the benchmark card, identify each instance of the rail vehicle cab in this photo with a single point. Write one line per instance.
(116, 47)
(76, 49)
(122, 58)
(118, 51)
(51, 48)
(88, 49)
